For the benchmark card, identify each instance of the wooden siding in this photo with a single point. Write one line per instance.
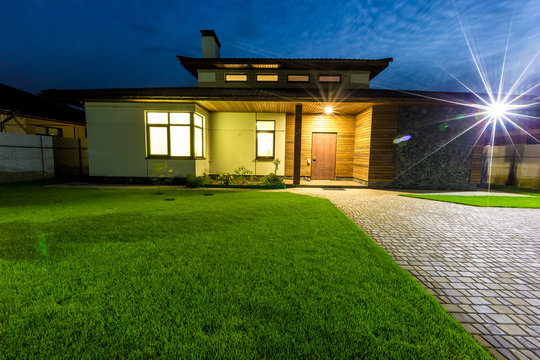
(382, 158)
(343, 125)
(362, 145)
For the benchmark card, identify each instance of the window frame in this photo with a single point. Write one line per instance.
(330, 82)
(191, 126)
(298, 82)
(273, 132)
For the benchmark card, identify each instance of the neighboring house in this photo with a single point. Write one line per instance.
(318, 116)
(25, 113)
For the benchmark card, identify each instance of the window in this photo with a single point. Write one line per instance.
(170, 134)
(236, 77)
(298, 78)
(330, 78)
(265, 139)
(267, 77)
(52, 131)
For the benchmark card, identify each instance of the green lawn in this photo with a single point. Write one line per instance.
(108, 273)
(489, 201)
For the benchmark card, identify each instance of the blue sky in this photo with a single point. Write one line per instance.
(104, 44)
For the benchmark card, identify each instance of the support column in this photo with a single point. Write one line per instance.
(297, 143)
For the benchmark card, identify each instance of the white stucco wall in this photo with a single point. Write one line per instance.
(117, 140)
(233, 141)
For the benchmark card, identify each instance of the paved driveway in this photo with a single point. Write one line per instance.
(482, 264)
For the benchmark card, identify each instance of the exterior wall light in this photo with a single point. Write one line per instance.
(328, 110)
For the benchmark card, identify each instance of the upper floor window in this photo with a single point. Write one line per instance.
(45, 130)
(266, 139)
(171, 134)
(330, 78)
(267, 77)
(298, 78)
(236, 77)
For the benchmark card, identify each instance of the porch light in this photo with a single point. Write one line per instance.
(328, 110)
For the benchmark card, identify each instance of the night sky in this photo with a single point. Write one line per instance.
(105, 43)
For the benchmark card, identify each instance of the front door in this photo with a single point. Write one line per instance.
(323, 156)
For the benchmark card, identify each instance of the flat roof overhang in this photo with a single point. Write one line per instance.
(265, 100)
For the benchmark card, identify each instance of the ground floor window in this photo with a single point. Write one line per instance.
(175, 134)
(266, 139)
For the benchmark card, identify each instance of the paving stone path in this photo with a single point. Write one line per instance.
(482, 264)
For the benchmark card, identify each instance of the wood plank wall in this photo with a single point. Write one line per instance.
(362, 144)
(382, 158)
(343, 125)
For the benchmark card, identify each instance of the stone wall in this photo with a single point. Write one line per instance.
(25, 157)
(430, 159)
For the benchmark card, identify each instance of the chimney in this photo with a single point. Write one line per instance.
(210, 44)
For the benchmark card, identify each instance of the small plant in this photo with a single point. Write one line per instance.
(241, 173)
(164, 174)
(276, 163)
(272, 179)
(226, 179)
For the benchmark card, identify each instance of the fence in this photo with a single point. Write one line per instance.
(25, 157)
(32, 157)
(70, 157)
(519, 165)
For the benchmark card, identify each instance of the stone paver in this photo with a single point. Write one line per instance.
(482, 264)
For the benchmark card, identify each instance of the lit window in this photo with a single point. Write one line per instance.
(236, 77)
(158, 140)
(267, 77)
(180, 141)
(170, 134)
(298, 78)
(265, 139)
(330, 78)
(198, 134)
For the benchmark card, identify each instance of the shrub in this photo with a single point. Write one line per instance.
(272, 179)
(241, 173)
(193, 181)
(226, 179)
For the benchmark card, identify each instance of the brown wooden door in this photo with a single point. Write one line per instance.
(323, 156)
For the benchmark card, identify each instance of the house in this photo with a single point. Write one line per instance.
(318, 116)
(25, 113)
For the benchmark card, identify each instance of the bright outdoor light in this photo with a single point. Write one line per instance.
(328, 110)
(497, 110)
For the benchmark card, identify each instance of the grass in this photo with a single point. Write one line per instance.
(108, 273)
(490, 201)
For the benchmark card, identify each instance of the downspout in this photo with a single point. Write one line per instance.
(3, 122)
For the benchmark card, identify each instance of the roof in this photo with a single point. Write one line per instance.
(251, 94)
(22, 103)
(374, 66)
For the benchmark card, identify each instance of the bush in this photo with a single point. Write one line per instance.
(193, 181)
(242, 174)
(226, 179)
(272, 179)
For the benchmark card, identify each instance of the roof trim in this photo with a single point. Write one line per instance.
(374, 66)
